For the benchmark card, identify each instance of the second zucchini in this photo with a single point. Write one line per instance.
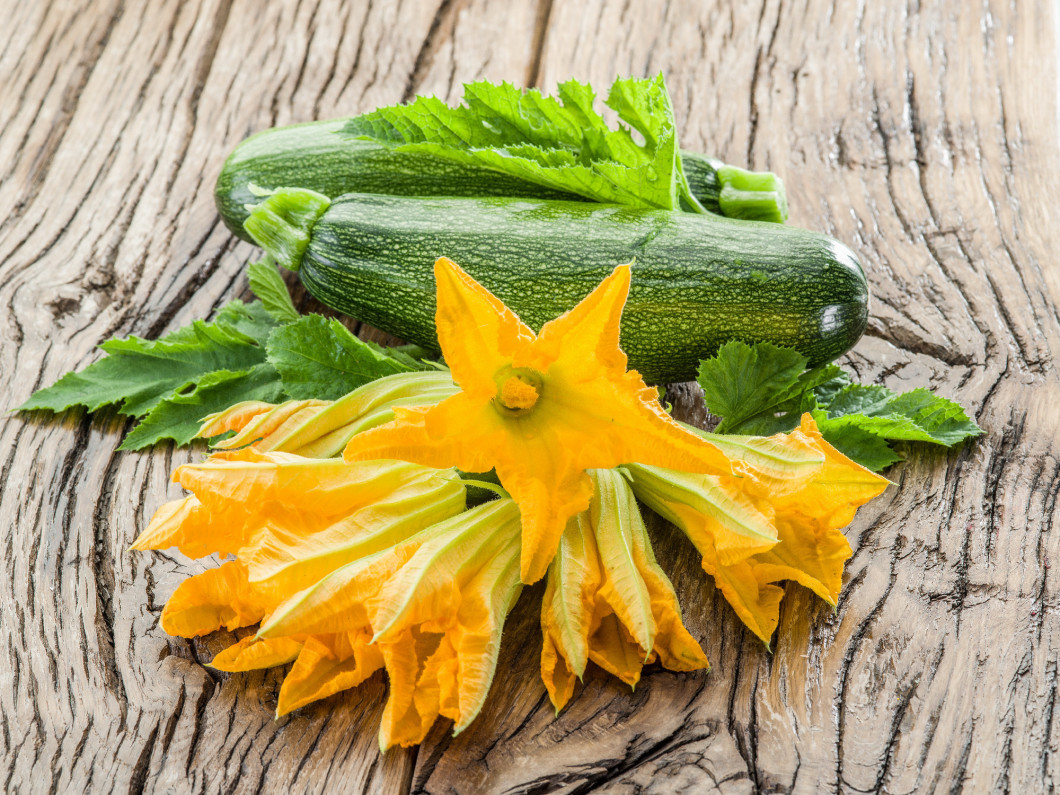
(698, 280)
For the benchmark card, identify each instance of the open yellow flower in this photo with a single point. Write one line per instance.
(431, 609)
(606, 598)
(796, 483)
(539, 408)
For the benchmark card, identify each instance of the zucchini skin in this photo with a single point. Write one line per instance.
(698, 280)
(314, 156)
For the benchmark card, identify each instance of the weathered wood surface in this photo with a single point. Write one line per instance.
(924, 134)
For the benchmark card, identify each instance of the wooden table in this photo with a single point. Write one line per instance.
(925, 137)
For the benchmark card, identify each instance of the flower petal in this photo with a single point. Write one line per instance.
(327, 665)
(755, 602)
(613, 648)
(234, 418)
(253, 653)
(412, 706)
(216, 598)
(588, 333)
(291, 551)
(712, 511)
(271, 422)
(478, 333)
(619, 532)
(455, 570)
(805, 514)
(185, 524)
(607, 599)
(342, 601)
(574, 578)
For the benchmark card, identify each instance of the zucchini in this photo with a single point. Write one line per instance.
(315, 156)
(698, 280)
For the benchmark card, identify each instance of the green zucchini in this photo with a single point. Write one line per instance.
(316, 157)
(698, 280)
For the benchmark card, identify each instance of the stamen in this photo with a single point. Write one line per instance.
(518, 394)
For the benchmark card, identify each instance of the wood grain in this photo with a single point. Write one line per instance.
(923, 134)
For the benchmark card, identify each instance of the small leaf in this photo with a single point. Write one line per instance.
(319, 358)
(268, 285)
(178, 417)
(858, 399)
(865, 448)
(137, 374)
(743, 381)
(941, 417)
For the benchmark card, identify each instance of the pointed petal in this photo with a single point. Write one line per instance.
(756, 603)
(675, 646)
(606, 421)
(253, 653)
(588, 333)
(837, 490)
(573, 583)
(545, 506)
(774, 465)
(478, 334)
(216, 598)
(478, 641)
(185, 524)
(328, 432)
(462, 431)
(268, 425)
(292, 551)
(341, 602)
(328, 665)
(457, 566)
(559, 679)
(613, 648)
(812, 558)
(712, 511)
(412, 705)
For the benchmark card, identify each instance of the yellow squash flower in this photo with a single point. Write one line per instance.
(541, 409)
(431, 609)
(606, 598)
(289, 521)
(796, 483)
(321, 428)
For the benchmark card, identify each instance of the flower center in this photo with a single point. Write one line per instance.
(518, 389)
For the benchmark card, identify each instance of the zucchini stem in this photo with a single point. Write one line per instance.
(752, 195)
(282, 223)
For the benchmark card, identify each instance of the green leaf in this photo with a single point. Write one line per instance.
(762, 389)
(319, 358)
(943, 419)
(867, 449)
(858, 399)
(891, 426)
(137, 374)
(744, 382)
(268, 285)
(251, 320)
(912, 416)
(826, 391)
(179, 416)
(559, 142)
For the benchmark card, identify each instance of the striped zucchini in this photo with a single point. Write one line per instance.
(314, 156)
(698, 280)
